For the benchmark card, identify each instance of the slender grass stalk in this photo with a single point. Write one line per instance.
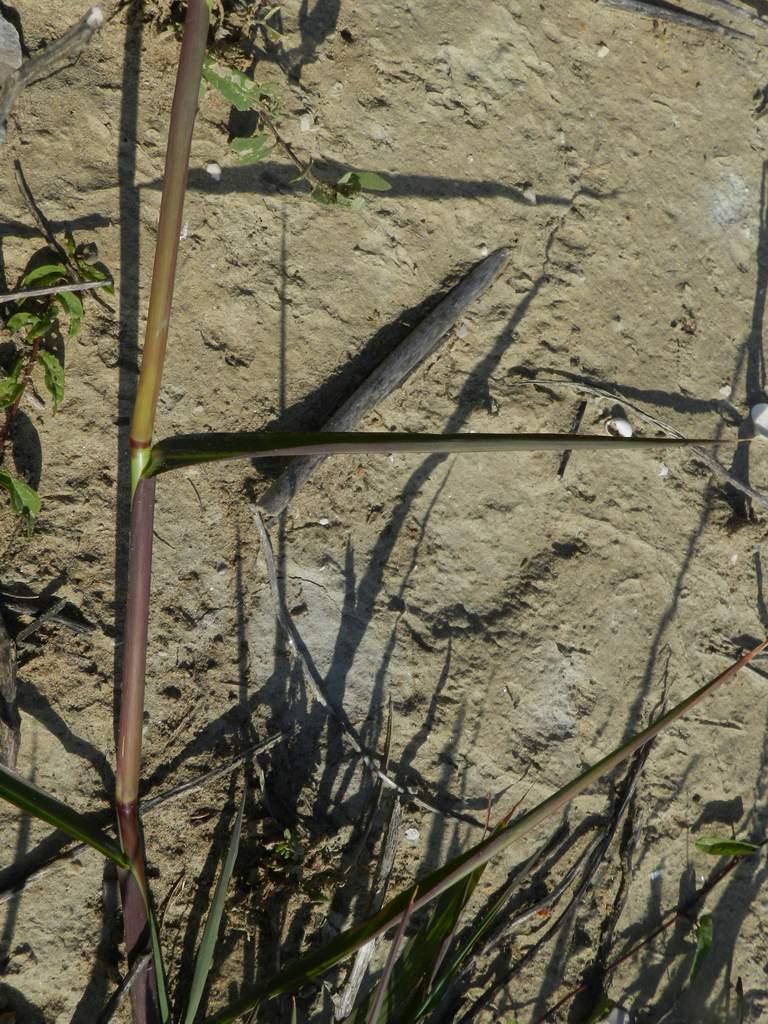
(149, 1003)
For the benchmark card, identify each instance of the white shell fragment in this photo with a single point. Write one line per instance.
(214, 170)
(619, 427)
(412, 835)
(759, 414)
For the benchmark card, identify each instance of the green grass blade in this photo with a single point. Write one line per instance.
(703, 945)
(204, 957)
(317, 961)
(192, 449)
(32, 800)
(161, 978)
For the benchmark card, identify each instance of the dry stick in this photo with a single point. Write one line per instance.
(72, 42)
(122, 990)
(9, 716)
(391, 373)
(681, 18)
(344, 1003)
(730, 8)
(700, 453)
(315, 683)
(146, 806)
(33, 293)
(46, 231)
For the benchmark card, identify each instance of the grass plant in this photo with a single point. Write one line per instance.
(418, 969)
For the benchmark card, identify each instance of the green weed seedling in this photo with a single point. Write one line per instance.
(245, 94)
(37, 322)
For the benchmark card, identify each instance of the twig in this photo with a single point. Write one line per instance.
(312, 677)
(146, 806)
(615, 396)
(33, 293)
(566, 456)
(391, 373)
(650, 10)
(122, 990)
(345, 1001)
(72, 42)
(733, 9)
(46, 231)
(9, 716)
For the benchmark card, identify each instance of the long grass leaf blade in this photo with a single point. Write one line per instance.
(317, 961)
(33, 800)
(204, 957)
(192, 449)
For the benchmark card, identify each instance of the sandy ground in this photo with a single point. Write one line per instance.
(520, 623)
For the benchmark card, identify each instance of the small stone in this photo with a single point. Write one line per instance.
(324, 521)
(483, 249)
(725, 391)
(663, 470)
(619, 427)
(602, 50)
(214, 170)
(759, 414)
(529, 194)
(412, 835)
(184, 231)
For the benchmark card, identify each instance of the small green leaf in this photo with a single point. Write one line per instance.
(43, 325)
(40, 274)
(369, 180)
(204, 957)
(54, 377)
(19, 321)
(251, 150)
(703, 944)
(716, 847)
(25, 502)
(236, 88)
(11, 386)
(92, 273)
(603, 1008)
(74, 308)
(324, 194)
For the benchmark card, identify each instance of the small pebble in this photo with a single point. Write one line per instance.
(725, 391)
(733, 559)
(324, 521)
(483, 249)
(619, 427)
(184, 231)
(529, 194)
(655, 875)
(214, 170)
(663, 470)
(759, 414)
(602, 50)
(412, 835)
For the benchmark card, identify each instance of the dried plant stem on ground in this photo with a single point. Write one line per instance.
(9, 716)
(390, 374)
(67, 45)
(650, 10)
(33, 293)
